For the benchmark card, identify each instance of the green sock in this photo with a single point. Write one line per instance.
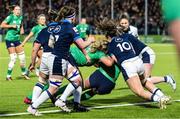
(30, 96)
(60, 91)
(9, 72)
(23, 70)
(46, 87)
(87, 95)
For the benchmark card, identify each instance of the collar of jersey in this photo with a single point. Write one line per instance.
(66, 20)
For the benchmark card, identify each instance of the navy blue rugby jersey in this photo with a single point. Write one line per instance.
(43, 36)
(122, 48)
(65, 34)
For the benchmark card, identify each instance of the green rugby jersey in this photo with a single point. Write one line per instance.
(171, 9)
(109, 70)
(36, 29)
(13, 34)
(80, 57)
(82, 29)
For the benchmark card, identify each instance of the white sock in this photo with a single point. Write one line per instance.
(155, 98)
(42, 98)
(37, 90)
(158, 92)
(68, 91)
(77, 94)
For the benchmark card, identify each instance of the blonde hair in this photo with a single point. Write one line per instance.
(100, 44)
(41, 15)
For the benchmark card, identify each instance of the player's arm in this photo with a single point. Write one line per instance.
(107, 60)
(82, 45)
(4, 24)
(34, 53)
(27, 38)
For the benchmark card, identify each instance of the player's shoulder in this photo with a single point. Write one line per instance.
(133, 27)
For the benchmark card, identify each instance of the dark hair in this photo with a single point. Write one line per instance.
(64, 12)
(11, 8)
(52, 14)
(124, 16)
(109, 27)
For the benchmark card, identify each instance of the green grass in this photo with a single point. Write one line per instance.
(12, 93)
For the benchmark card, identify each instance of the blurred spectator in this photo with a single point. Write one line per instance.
(93, 9)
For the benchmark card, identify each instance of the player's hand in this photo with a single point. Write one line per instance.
(14, 26)
(31, 68)
(22, 44)
(91, 39)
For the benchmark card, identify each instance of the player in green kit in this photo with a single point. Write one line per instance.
(171, 12)
(83, 29)
(41, 23)
(13, 23)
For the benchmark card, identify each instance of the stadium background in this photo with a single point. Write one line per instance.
(121, 103)
(144, 14)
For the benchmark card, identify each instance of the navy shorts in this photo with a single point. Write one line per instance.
(72, 61)
(59, 66)
(101, 83)
(12, 43)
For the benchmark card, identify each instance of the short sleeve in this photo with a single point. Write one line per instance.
(75, 33)
(34, 30)
(8, 19)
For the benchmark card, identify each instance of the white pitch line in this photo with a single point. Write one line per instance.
(96, 107)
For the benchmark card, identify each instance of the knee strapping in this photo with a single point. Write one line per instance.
(13, 58)
(22, 58)
(74, 75)
(55, 82)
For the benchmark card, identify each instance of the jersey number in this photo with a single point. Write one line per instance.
(52, 40)
(124, 46)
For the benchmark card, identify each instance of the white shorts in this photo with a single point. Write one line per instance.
(132, 67)
(57, 66)
(44, 65)
(148, 55)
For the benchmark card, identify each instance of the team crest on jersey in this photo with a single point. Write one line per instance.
(118, 39)
(57, 29)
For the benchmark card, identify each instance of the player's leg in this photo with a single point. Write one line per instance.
(21, 54)
(131, 71)
(39, 55)
(58, 69)
(13, 56)
(148, 58)
(74, 87)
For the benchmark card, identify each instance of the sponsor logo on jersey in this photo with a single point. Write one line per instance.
(50, 29)
(57, 29)
(118, 40)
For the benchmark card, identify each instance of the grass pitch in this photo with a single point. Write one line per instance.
(12, 93)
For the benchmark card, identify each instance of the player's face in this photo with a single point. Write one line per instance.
(83, 21)
(17, 11)
(73, 20)
(42, 20)
(124, 23)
